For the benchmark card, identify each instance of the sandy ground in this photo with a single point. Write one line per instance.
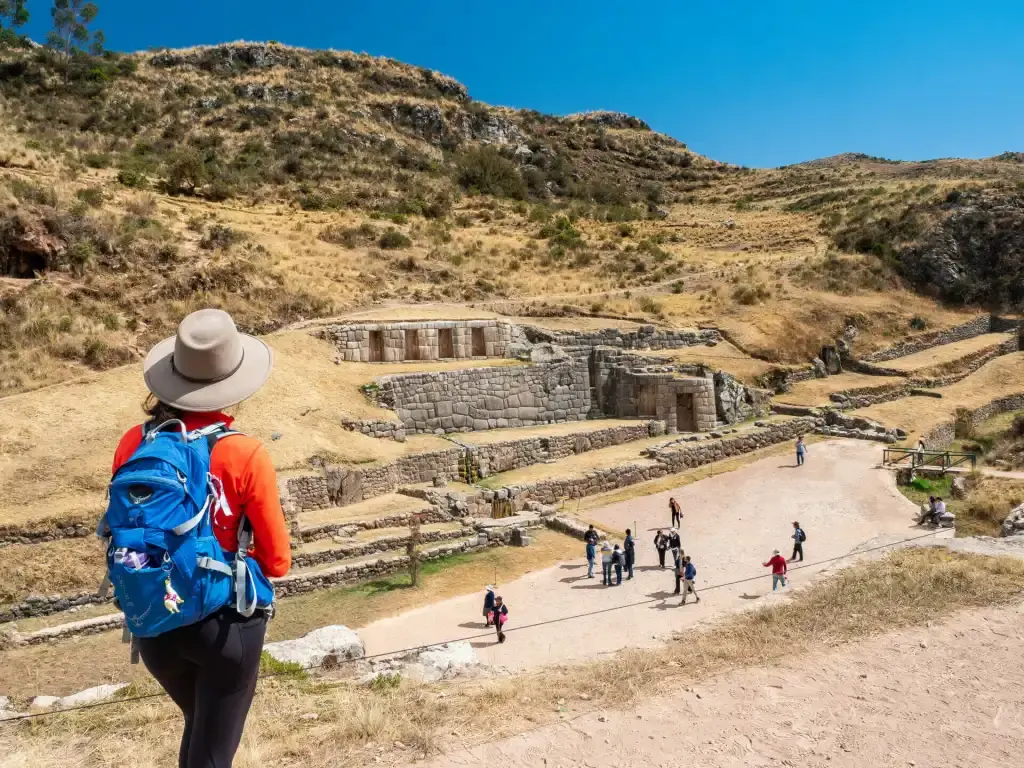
(945, 353)
(913, 698)
(731, 524)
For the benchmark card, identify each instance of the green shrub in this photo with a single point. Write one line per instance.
(393, 240)
(133, 179)
(97, 160)
(751, 294)
(649, 305)
(483, 170)
(219, 237)
(561, 232)
(91, 196)
(918, 323)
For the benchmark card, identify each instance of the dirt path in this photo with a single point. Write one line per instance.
(732, 523)
(919, 697)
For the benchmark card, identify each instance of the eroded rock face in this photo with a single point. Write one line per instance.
(442, 662)
(27, 247)
(612, 120)
(975, 253)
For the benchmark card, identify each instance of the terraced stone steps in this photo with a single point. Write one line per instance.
(372, 542)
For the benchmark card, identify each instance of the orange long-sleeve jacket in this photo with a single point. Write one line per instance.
(250, 486)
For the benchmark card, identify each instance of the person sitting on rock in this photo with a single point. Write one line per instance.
(931, 512)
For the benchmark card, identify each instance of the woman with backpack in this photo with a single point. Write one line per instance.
(799, 537)
(223, 532)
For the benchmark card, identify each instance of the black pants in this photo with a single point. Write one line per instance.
(677, 583)
(209, 669)
(661, 557)
(798, 549)
(675, 519)
(618, 573)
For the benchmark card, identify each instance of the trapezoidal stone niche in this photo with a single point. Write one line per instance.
(428, 340)
(685, 404)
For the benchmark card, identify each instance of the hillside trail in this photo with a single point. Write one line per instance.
(918, 697)
(1004, 474)
(731, 525)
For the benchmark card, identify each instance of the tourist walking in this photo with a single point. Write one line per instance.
(778, 565)
(799, 537)
(675, 546)
(606, 564)
(689, 574)
(499, 616)
(488, 604)
(661, 545)
(591, 538)
(617, 560)
(200, 640)
(678, 570)
(677, 516)
(629, 548)
(801, 450)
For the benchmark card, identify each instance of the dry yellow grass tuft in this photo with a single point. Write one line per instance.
(354, 724)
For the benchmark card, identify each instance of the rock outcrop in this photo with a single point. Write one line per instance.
(1013, 525)
(321, 647)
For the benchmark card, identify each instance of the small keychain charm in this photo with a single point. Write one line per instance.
(172, 601)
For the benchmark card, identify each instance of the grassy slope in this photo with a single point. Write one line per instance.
(907, 588)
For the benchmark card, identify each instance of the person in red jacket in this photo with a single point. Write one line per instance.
(778, 566)
(209, 669)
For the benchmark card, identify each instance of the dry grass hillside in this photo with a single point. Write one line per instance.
(286, 185)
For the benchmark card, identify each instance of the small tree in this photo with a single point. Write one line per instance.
(412, 549)
(71, 19)
(14, 13)
(186, 170)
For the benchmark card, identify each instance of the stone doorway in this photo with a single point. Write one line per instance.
(647, 402)
(445, 343)
(479, 345)
(686, 420)
(376, 346)
(412, 344)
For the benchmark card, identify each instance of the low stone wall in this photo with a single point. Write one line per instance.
(513, 454)
(339, 486)
(677, 458)
(351, 527)
(644, 337)
(39, 605)
(489, 398)
(301, 583)
(862, 397)
(377, 546)
(838, 424)
(943, 435)
(976, 327)
(571, 526)
(47, 530)
(382, 430)
(72, 629)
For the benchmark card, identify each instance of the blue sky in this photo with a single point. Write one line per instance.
(755, 83)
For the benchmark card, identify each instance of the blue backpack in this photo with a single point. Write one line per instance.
(164, 561)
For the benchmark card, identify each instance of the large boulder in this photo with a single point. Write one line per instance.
(1013, 525)
(958, 488)
(320, 647)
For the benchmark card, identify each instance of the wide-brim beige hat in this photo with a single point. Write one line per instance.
(208, 365)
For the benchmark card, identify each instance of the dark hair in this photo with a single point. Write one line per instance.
(628, 532)
(158, 411)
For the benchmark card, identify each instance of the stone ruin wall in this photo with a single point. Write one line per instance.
(942, 436)
(976, 327)
(644, 337)
(662, 463)
(489, 398)
(353, 341)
